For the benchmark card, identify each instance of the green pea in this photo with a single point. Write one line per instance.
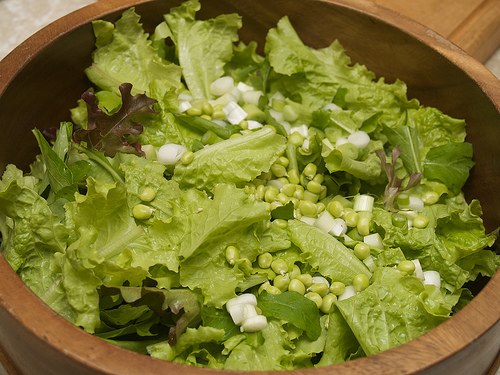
(296, 139)
(270, 195)
(296, 285)
(320, 288)
(288, 189)
(298, 194)
(260, 191)
(360, 282)
(319, 178)
(362, 251)
(142, 212)
(337, 288)
(232, 254)
(148, 194)
(271, 289)
(194, 111)
(314, 187)
(207, 108)
(294, 272)
(351, 219)
(279, 266)
(335, 208)
(420, 221)
(243, 124)
(281, 282)
(305, 279)
(321, 207)
(280, 223)
(308, 208)
(206, 117)
(310, 170)
(407, 266)
(218, 115)
(328, 303)
(187, 157)
(363, 226)
(316, 298)
(278, 170)
(283, 198)
(430, 197)
(264, 260)
(283, 161)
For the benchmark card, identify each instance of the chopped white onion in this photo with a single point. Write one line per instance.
(185, 97)
(374, 240)
(170, 153)
(432, 278)
(184, 106)
(254, 324)
(234, 113)
(221, 123)
(242, 311)
(339, 229)
(247, 298)
(303, 130)
(308, 220)
(360, 139)
(416, 204)
(251, 97)
(277, 115)
(325, 221)
(363, 202)
(331, 107)
(305, 144)
(370, 263)
(418, 269)
(222, 85)
(252, 124)
(349, 292)
(341, 141)
(243, 87)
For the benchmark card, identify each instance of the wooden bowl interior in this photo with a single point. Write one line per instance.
(44, 77)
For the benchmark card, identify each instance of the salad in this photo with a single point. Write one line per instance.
(219, 207)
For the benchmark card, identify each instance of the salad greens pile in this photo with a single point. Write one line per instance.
(196, 170)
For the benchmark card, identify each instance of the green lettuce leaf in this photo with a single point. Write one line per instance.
(203, 47)
(234, 160)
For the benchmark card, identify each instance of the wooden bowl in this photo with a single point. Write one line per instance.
(44, 77)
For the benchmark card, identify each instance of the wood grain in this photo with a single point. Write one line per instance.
(473, 25)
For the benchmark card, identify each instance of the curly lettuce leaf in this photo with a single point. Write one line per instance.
(234, 160)
(125, 54)
(203, 47)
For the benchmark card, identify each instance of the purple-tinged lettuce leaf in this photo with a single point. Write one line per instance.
(108, 133)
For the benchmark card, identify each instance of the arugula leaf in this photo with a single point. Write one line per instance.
(450, 164)
(108, 133)
(294, 308)
(406, 138)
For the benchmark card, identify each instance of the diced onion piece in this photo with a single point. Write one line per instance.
(277, 96)
(224, 99)
(339, 229)
(241, 312)
(170, 153)
(246, 298)
(243, 87)
(305, 145)
(254, 324)
(325, 221)
(149, 151)
(222, 85)
(251, 97)
(349, 292)
(331, 107)
(184, 106)
(327, 144)
(418, 269)
(221, 123)
(277, 115)
(341, 141)
(363, 203)
(432, 278)
(234, 113)
(289, 113)
(374, 240)
(370, 263)
(309, 220)
(254, 124)
(303, 130)
(360, 139)
(415, 204)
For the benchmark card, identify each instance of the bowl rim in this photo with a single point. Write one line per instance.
(434, 343)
